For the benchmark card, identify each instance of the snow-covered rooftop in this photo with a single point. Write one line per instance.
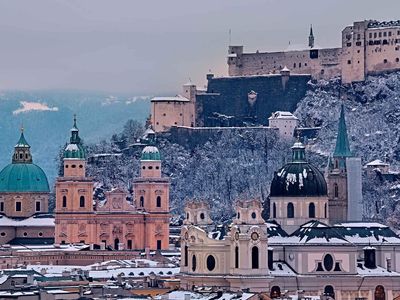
(283, 115)
(29, 222)
(376, 162)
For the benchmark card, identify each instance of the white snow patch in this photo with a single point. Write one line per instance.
(33, 106)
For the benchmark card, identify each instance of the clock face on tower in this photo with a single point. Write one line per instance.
(254, 236)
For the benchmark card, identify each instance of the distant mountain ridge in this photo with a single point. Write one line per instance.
(47, 118)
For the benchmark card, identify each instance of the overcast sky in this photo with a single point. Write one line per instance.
(152, 47)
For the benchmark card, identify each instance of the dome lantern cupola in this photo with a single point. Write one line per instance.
(22, 152)
(298, 152)
(75, 148)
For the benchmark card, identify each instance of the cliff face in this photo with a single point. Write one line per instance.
(238, 164)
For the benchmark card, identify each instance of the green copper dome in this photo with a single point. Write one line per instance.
(75, 148)
(150, 153)
(22, 175)
(23, 178)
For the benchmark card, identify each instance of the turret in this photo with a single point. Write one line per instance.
(74, 155)
(311, 38)
(150, 162)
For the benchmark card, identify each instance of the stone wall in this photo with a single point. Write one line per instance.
(227, 99)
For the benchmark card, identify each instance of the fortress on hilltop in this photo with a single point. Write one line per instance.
(368, 47)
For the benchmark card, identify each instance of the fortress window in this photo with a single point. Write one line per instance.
(254, 258)
(158, 201)
(385, 61)
(1, 206)
(18, 206)
(82, 201)
(64, 201)
(311, 210)
(37, 206)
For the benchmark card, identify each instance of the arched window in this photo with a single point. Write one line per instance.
(186, 256)
(194, 263)
(336, 190)
(311, 210)
(290, 210)
(329, 291)
(82, 201)
(379, 293)
(236, 257)
(254, 258)
(158, 201)
(274, 210)
(64, 201)
(275, 292)
(141, 201)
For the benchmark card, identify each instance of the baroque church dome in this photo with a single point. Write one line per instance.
(22, 175)
(298, 178)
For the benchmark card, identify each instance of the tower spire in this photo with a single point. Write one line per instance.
(311, 38)
(342, 148)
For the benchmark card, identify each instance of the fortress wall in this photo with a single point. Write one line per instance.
(229, 96)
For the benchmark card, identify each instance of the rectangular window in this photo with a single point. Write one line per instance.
(37, 206)
(18, 206)
(130, 244)
(349, 62)
(370, 35)
(348, 45)
(384, 34)
(158, 244)
(380, 34)
(1, 206)
(390, 33)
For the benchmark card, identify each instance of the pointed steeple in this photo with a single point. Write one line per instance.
(342, 148)
(311, 38)
(22, 153)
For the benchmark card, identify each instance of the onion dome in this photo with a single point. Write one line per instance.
(22, 175)
(298, 178)
(150, 153)
(75, 148)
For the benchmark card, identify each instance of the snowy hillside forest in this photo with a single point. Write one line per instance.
(236, 166)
